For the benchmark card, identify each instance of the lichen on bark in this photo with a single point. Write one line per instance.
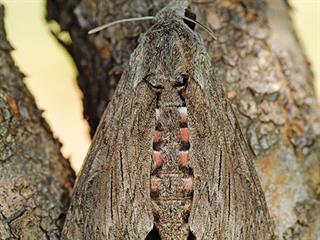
(35, 179)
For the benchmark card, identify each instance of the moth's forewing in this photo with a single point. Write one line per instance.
(228, 200)
(112, 198)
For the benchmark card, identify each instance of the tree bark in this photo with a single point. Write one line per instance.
(265, 74)
(35, 180)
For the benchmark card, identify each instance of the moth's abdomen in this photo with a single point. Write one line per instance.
(171, 178)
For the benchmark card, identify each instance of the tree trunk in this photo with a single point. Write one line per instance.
(261, 65)
(35, 180)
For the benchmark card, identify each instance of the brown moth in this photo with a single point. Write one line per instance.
(168, 160)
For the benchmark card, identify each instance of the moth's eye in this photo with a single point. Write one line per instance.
(153, 82)
(181, 81)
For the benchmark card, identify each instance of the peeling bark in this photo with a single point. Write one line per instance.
(35, 180)
(261, 65)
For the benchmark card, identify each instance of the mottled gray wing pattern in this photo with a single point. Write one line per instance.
(112, 195)
(228, 201)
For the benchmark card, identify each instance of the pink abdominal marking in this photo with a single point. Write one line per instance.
(155, 184)
(184, 134)
(183, 158)
(183, 155)
(188, 184)
(156, 136)
(172, 180)
(157, 159)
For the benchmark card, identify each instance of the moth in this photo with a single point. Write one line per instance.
(168, 160)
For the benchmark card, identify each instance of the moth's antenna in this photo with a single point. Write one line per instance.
(98, 29)
(202, 26)
(203, 2)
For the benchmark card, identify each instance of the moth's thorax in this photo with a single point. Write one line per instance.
(169, 98)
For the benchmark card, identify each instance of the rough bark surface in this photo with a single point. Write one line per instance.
(35, 180)
(261, 65)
